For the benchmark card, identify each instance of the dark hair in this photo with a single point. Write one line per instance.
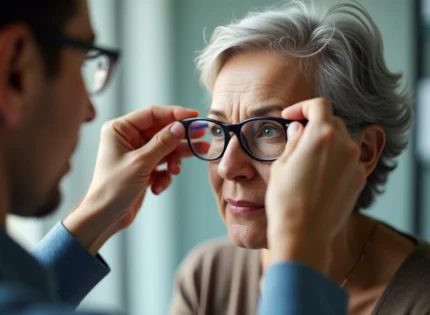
(49, 15)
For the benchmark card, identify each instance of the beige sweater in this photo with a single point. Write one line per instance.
(219, 278)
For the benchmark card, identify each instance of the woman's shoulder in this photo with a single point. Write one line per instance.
(218, 277)
(217, 254)
(409, 289)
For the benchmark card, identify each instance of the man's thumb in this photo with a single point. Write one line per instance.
(294, 131)
(162, 144)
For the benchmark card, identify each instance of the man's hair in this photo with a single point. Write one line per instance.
(45, 15)
(349, 71)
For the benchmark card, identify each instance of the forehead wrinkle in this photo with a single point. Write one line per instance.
(261, 91)
(243, 86)
(246, 102)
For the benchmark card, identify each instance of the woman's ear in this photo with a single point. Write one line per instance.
(372, 143)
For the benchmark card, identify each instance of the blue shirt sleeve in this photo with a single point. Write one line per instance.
(75, 270)
(292, 288)
(21, 300)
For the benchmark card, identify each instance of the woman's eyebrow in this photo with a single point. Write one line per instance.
(216, 113)
(264, 110)
(254, 112)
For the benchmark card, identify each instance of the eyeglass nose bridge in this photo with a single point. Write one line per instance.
(236, 129)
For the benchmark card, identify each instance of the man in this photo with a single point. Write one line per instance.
(44, 101)
(46, 77)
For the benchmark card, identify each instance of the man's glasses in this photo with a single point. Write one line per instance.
(98, 66)
(262, 138)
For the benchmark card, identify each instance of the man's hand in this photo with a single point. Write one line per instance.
(313, 186)
(131, 148)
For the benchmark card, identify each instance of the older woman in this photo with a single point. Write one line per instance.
(254, 69)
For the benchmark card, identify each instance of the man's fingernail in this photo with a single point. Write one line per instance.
(158, 190)
(177, 130)
(286, 109)
(292, 129)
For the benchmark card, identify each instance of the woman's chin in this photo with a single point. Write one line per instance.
(246, 237)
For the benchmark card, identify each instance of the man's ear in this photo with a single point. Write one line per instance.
(372, 143)
(18, 80)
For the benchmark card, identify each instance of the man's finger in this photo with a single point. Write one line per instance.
(294, 132)
(174, 163)
(149, 133)
(184, 150)
(317, 109)
(340, 125)
(147, 118)
(160, 181)
(161, 145)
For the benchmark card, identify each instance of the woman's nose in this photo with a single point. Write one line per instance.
(236, 164)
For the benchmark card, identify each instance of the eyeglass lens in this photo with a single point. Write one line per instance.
(264, 139)
(95, 72)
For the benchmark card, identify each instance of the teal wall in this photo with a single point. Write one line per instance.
(198, 217)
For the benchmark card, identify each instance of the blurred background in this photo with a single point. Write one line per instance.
(159, 40)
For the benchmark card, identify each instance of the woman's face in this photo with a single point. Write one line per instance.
(250, 84)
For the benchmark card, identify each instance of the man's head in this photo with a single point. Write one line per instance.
(43, 99)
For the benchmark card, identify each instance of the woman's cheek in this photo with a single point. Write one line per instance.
(264, 170)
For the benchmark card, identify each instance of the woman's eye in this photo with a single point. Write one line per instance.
(217, 131)
(268, 131)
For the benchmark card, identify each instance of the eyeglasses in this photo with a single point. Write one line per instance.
(98, 65)
(262, 138)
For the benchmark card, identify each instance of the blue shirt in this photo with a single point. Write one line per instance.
(292, 288)
(60, 273)
(53, 280)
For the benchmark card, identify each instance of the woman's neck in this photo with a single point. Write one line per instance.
(347, 247)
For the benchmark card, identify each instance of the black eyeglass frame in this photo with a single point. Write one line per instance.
(65, 40)
(235, 128)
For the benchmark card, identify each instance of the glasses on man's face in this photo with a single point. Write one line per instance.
(262, 138)
(98, 65)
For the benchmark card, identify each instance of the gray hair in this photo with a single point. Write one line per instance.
(348, 69)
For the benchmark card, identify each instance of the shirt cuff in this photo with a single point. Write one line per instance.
(76, 271)
(294, 288)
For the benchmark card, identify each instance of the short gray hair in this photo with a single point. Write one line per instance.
(349, 69)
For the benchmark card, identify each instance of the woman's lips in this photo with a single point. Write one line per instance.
(243, 207)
